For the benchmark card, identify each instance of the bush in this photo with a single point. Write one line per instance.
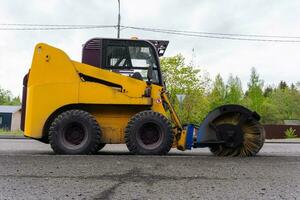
(290, 133)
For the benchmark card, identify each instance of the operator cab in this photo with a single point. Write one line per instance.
(134, 58)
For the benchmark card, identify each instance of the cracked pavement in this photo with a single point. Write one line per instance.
(30, 170)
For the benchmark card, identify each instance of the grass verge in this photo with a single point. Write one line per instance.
(14, 133)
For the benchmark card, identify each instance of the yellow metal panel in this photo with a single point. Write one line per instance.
(44, 100)
(53, 83)
(113, 120)
(157, 105)
(95, 93)
(131, 87)
(51, 65)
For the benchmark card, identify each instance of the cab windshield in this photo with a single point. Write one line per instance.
(132, 60)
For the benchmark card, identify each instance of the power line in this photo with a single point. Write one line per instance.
(53, 25)
(202, 35)
(49, 28)
(224, 36)
(214, 33)
(30, 27)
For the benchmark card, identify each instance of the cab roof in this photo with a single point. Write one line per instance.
(95, 43)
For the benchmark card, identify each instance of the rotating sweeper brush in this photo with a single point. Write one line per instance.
(248, 141)
(229, 130)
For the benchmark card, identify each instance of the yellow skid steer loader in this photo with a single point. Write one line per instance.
(116, 95)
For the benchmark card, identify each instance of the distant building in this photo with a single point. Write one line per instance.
(10, 117)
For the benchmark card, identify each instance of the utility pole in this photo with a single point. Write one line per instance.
(119, 20)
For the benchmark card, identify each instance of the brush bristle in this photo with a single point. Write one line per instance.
(254, 137)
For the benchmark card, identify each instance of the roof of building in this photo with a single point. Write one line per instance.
(9, 109)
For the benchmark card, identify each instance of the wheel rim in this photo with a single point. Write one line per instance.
(149, 135)
(74, 135)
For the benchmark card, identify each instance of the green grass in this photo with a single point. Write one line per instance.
(15, 133)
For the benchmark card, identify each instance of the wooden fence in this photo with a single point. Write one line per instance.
(277, 131)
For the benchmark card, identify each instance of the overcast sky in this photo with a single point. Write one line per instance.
(274, 61)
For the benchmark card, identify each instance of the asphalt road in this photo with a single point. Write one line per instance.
(30, 170)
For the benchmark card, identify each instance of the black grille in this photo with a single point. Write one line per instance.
(93, 44)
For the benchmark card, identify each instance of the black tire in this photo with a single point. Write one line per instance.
(149, 133)
(75, 132)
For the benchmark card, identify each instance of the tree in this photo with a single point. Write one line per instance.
(255, 97)
(282, 85)
(179, 77)
(184, 79)
(286, 104)
(15, 101)
(217, 97)
(298, 86)
(6, 98)
(268, 91)
(293, 87)
(274, 104)
(234, 91)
